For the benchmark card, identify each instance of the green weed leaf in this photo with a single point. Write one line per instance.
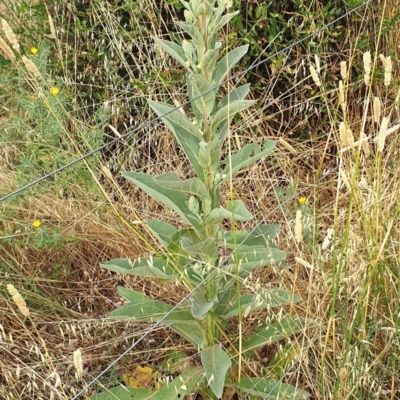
(173, 50)
(199, 86)
(228, 111)
(250, 257)
(228, 62)
(271, 389)
(187, 135)
(265, 299)
(194, 186)
(216, 364)
(173, 199)
(141, 308)
(193, 32)
(143, 266)
(273, 333)
(234, 210)
(201, 305)
(162, 230)
(249, 154)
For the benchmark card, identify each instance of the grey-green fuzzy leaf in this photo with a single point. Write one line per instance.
(228, 111)
(142, 266)
(267, 334)
(264, 299)
(249, 154)
(162, 230)
(271, 389)
(228, 62)
(187, 135)
(141, 308)
(173, 199)
(216, 364)
(173, 50)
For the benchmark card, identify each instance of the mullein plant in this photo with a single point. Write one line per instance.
(197, 254)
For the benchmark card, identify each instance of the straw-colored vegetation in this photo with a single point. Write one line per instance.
(74, 75)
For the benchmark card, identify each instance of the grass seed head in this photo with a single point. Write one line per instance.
(387, 65)
(10, 35)
(31, 67)
(380, 139)
(343, 70)
(6, 51)
(367, 66)
(18, 300)
(377, 109)
(314, 76)
(298, 229)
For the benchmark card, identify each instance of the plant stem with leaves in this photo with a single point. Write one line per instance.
(196, 253)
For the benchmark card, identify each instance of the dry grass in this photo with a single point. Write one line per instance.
(351, 287)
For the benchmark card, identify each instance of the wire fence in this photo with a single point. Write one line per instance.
(148, 123)
(143, 126)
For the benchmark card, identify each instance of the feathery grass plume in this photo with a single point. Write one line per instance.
(377, 109)
(380, 139)
(345, 179)
(287, 146)
(346, 135)
(304, 263)
(343, 70)
(342, 98)
(367, 66)
(31, 67)
(314, 76)
(10, 35)
(328, 239)
(78, 363)
(317, 63)
(298, 228)
(364, 144)
(6, 51)
(387, 65)
(343, 373)
(18, 300)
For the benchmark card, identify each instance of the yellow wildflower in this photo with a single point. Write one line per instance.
(55, 90)
(36, 223)
(302, 200)
(34, 50)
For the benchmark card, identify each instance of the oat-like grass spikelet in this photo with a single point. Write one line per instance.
(367, 66)
(380, 139)
(6, 51)
(342, 97)
(317, 63)
(31, 67)
(328, 239)
(346, 135)
(387, 65)
(288, 146)
(18, 300)
(298, 228)
(304, 263)
(314, 76)
(10, 35)
(377, 109)
(343, 70)
(78, 363)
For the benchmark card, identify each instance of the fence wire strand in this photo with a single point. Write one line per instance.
(146, 124)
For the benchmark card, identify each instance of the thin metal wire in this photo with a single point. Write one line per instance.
(125, 135)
